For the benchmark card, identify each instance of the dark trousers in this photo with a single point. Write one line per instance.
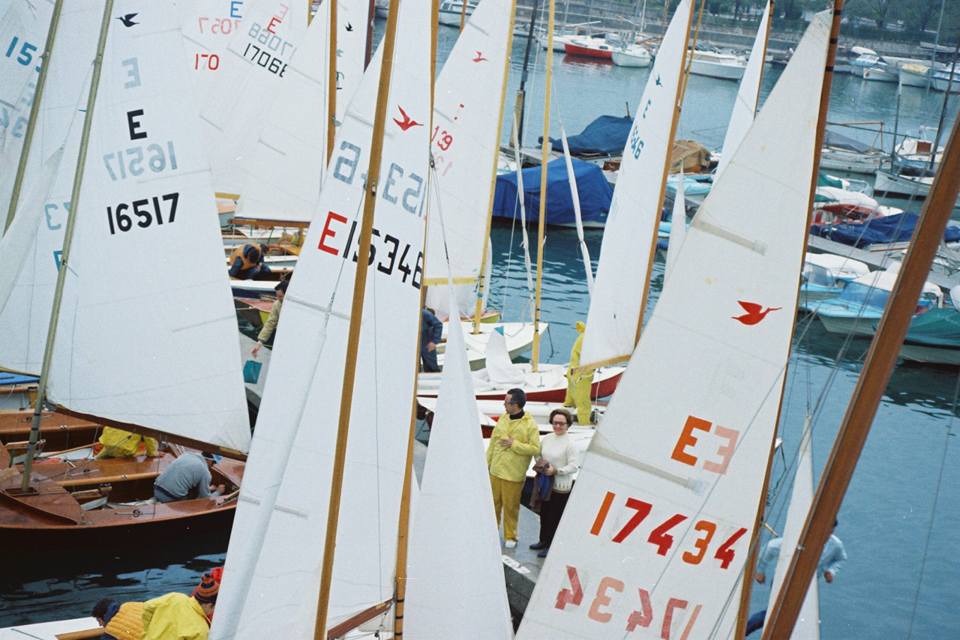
(428, 360)
(550, 512)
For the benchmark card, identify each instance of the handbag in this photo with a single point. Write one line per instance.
(251, 371)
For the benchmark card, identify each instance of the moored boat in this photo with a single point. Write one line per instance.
(451, 11)
(597, 48)
(632, 56)
(714, 64)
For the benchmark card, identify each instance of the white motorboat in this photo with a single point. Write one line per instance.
(914, 75)
(726, 66)
(451, 11)
(634, 55)
(941, 79)
(880, 72)
(841, 153)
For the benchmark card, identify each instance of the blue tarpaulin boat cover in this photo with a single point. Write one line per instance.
(595, 194)
(607, 136)
(15, 378)
(894, 228)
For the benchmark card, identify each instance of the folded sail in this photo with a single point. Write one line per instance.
(147, 331)
(627, 249)
(450, 593)
(267, 590)
(657, 530)
(26, 299)
(465, 146)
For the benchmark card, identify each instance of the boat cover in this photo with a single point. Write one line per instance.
(937, 327)
(9, 379)
(893, 228)
(840, 141)
(607, 136)
(595, 193)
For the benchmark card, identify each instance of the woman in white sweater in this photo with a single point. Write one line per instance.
(562, 461)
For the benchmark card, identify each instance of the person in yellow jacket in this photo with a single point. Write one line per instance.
(119, 621)
(174, 616)
(118, 443)
(579, 382)
(514, 442)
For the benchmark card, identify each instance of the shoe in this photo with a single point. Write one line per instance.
(510, 544)
(543, 554)
(536, 546)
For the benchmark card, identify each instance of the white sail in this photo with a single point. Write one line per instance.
(267, 590)
(147, 330)
(256, 62)
(455, 584)
(678, 228)
(466, 119)
(627, 247)
(27, 299)
(748, 96)
(23, 32)
(207, 27)
(656, 533)
(353, 17)
(808, 622)
(282, 167)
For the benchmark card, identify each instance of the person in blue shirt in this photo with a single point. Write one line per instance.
(246, 262)
(431, 331)
(831, 558)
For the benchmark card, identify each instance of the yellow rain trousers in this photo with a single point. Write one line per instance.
(118, 443)
(174, 616)
(578, 384)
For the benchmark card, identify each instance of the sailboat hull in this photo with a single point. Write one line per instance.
(546, 385)
(53, 519)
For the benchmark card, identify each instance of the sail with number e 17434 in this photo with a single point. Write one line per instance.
(657, 531)
(272, 574)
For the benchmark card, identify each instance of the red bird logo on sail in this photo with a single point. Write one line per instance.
(407, 121)
(755, 313)
(479, 57)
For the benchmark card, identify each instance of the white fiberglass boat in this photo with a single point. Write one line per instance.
(632, 56)
(726, 66)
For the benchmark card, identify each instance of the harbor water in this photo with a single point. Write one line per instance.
(900, 520)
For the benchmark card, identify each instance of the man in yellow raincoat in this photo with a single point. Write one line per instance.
(174, 616)
(579, 382)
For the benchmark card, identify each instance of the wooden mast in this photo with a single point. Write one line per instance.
(463, 14)
(356, 316)
(403, 525)
(332, 79)
(743, 612)
(67, 241)
(544, 159)
(34, 113)
(881, 358)
(478, 304)
(677, 107)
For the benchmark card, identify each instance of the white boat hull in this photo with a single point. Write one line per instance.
(877, 74)
(888, 183)
(518, 335)
(930, 355)
(910, 79)
(841, 160)
(49, 630)
(548, 383)
(717, 70)
(849, 325)
(625, 59)
(940, 84)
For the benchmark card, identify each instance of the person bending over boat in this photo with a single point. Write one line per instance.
(187, 477)
(515, 440)
(119, 621)
(117, 443)
(179, 616)
(270, 326)
(246, 262)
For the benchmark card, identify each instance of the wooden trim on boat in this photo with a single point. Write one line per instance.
(120, 477)
(81, 635)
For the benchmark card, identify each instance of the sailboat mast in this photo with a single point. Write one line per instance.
(677, 107)
(67, 241)
(356, 317)
(332, 79)
(481, 276)
(34, 113)
(519, 101)
(544, 159)
(943, 109)
(868, 392)
(771, 7)
(403, 524)
(463, 14)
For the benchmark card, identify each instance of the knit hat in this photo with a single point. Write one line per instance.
(206, 591)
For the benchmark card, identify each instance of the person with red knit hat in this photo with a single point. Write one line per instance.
(206, 594)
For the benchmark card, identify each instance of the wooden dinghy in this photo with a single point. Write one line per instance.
(106, 503)
(58, 431)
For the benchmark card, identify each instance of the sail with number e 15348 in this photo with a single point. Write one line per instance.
(272, 574)
(628, 241)
(657, 531)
